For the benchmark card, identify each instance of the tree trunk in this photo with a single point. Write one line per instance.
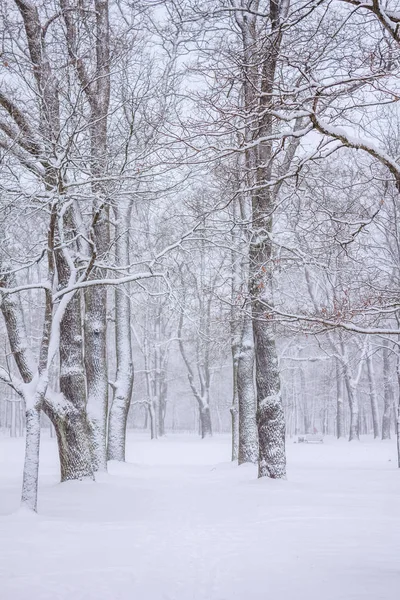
(73, 444)
(234, 430)
(372, 396)
(96, 373)
(248, 442)
(153, 422)
(161, 404)
(124, 378)
(205, 421)
(234, 410)
(340, 429)
(398, 433)
(306, 412)
(259, 74)
(31, 464)
(13, 428)
(97, 90)
(354, 433)
(70, 423)
(270, 417)
(387, 393)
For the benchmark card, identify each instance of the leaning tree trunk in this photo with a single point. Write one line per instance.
(124, 379)
(11, 308)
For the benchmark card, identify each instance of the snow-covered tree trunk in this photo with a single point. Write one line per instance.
(71, 423)
(234, 410)
(11, 309)
(201, 395)
(372, 395)
(236, 324)
(354, 432)
(96, 373)
(31, 462)
(339, 403)
(153, 421)
(387, 393)
(94, 80)
(398, 433)
(124, 378)
(13, 424)
(307, 428)
(248, 437)
(159, 376)
(205, 419)
(259, 75)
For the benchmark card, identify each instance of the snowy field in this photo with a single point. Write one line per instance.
(179, 522)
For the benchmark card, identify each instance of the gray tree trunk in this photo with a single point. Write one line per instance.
(124, 378)
(95, 83)
(372, 395)
(388, 396)
(71, 423)
(205, 421)
(248, 437)
(340, 429)
(354, 432)
(31, 463)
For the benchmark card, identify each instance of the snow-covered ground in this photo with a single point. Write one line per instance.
(179, 522)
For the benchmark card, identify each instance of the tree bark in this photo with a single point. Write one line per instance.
(153, 422)
(372, 395)
(70, 423)
(248, 442)
(354, 433)
(339, 403)
(95, 83)
(124, 378)
(31, 463)
(205, 421)
(387, 393)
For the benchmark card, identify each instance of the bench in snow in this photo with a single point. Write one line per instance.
(311, 438)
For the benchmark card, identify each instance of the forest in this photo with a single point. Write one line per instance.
(199, 261)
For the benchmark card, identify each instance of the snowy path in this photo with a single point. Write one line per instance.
(180, 523)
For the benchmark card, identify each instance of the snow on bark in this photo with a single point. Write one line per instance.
(339, 402)
(124, 377)
(70, 422)
(96, 87)
(31, 463)
(248, 440)
(372, 394)
(388, 397)
(96, 375)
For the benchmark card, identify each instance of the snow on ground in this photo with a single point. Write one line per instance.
(179, 522)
